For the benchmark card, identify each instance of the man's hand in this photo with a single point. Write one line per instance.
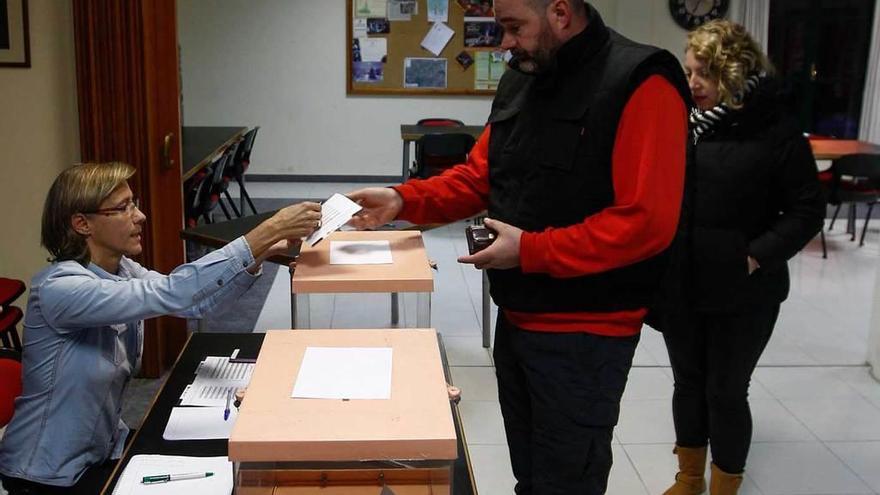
(504, 251)
(380, 206)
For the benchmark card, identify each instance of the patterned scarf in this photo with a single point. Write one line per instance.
(705, 122)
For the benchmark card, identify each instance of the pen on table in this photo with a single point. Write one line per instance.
(228, 399)
(165, 478)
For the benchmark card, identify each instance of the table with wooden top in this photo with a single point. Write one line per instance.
(409, 271)
(148, 438)
(203, 144)
(832, 149)
(411, 133)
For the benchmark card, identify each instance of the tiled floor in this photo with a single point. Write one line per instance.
(816, 409)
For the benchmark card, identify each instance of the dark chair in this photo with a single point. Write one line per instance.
(440, 122)
(10, 383)
(438, 152)
(220, 183)
(240, 163)
(196, 193)
(855, 179)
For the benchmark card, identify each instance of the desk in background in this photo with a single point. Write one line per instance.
(148, 439)
(411, 133)
(832, 149)
(202, 144)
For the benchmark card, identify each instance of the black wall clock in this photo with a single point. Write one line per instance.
(692, 13)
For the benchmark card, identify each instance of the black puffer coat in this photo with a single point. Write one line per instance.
(754, 191)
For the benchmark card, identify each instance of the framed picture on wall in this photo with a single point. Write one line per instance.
(15, 47)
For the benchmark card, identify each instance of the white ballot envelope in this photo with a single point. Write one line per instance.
(335, 212)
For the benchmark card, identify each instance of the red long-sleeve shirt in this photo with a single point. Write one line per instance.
(648, 162)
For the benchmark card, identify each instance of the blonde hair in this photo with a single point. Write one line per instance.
(730, 56)
(79, 189)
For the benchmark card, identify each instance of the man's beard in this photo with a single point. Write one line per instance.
(542, 60)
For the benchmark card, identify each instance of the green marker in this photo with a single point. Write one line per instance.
(165, 478)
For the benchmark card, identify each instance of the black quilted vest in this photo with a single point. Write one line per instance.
(550, 163)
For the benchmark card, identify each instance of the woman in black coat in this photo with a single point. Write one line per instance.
(754, 202)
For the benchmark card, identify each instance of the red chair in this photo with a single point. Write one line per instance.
(10, 383)
(10, 289)
(440, 122)
(9, 318)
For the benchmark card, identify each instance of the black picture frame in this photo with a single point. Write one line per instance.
(15, 45)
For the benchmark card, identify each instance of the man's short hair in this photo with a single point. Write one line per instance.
(78, 189)
(578, 6)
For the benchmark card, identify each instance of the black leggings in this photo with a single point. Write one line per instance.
(713, 357)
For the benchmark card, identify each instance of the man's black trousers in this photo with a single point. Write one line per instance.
(560, 398)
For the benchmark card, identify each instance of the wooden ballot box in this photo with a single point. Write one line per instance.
(409, 271)
(291, 446)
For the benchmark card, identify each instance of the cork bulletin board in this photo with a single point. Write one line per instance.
(385, 53)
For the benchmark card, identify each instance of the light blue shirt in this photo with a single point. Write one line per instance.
(83, 341)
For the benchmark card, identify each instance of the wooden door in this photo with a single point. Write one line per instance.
(127, 84)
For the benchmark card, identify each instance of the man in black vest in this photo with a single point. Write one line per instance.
(581, 168)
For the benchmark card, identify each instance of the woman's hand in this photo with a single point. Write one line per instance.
(298, 220)
(753, 265)
(292, 222)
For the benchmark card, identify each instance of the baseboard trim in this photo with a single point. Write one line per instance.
(321, 178)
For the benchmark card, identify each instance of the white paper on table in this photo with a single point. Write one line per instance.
(360, 253)
(344, 373)
(199, 423)
(335, 212)
(437, 38)
(150, 465)
(215, 377)
(373, 49)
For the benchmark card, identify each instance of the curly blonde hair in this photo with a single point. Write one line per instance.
(730, 56)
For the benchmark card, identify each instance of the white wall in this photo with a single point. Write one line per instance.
(39, 134)
(280, 64)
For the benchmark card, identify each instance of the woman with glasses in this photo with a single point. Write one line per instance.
(84, 332)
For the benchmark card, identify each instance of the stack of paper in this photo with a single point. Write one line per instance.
(199, 423)
(219, 483)
(215, 377)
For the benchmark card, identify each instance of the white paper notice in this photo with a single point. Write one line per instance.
(215, 377)
(359, 28)
(360, 253)
(220, 483)
(199, 423)
(373, 49)
(437, 38)
(344, 373)
(335, 212)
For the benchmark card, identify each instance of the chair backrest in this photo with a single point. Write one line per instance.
(10, 289)
(858, 165)
(440, 122)
(10, 383)
(855, 178)
(242, 158)
(438, 152)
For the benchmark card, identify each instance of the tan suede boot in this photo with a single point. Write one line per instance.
(723, 483)
(691, 465)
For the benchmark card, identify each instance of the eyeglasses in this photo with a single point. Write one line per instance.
(127, 208)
